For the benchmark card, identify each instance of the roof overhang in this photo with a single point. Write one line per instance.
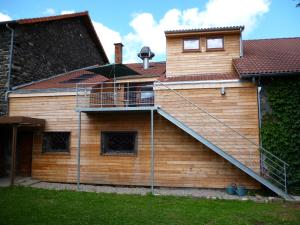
(22, 121)
(205, 31)
(273, 74)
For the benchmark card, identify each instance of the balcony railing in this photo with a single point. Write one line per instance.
(109, 94)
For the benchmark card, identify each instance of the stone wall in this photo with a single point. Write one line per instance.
(45, 49)
(4, 57)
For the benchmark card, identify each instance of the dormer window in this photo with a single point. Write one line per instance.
(191, 44)
(214, 43)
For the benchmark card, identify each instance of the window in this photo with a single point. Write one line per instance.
(147, 95)
(216, 43)
(118, 142)
(191, 44)
(56, 141)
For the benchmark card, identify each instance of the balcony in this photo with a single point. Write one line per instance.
(114, 96)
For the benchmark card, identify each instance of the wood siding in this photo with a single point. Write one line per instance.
(192, 63)
(180, 160)
(237, 108)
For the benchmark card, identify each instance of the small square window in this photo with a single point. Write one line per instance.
(56, 141)
(191, 44)
(118, 142)
(215, 43)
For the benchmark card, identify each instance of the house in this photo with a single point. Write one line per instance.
(37, 48)
(191, 121)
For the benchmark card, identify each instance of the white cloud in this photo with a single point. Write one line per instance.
(149, 31)
(67, 12)
(107, 37)
(4, 17)
(49, 11)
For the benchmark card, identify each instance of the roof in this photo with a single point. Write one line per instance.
(83, 15)
(155, 68)
(209, 29)
(92, 75)
(21, 120)
(66, 80)
(280, 56)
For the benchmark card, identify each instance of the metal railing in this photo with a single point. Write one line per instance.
(222, 134)
(111, 94)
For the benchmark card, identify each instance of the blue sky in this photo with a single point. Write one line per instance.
(137, 23)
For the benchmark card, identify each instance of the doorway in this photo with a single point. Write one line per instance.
(24, 153)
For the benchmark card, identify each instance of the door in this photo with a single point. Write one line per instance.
(24, 153)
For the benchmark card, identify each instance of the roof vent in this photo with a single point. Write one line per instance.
(146, 54)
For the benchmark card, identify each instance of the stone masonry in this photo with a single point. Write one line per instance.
(45, 49)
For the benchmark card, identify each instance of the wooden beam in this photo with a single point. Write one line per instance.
(13, 154)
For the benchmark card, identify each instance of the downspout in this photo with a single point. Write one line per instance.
(259, 89)
(10, 61)
(241, 44)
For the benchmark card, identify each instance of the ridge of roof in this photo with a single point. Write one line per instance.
(225, 28)
(51, 18)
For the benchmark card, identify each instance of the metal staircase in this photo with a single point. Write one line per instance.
(243, 152)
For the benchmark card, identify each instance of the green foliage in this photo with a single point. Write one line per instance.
(281, 127)
(22, 205)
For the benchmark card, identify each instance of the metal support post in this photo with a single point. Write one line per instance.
(78, 150)
(13, 154)
(152, 152)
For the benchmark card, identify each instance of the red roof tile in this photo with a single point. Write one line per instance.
(155, 68)
(63, 80)
(269, 56)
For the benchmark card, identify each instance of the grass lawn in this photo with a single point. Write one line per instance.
(22, 205)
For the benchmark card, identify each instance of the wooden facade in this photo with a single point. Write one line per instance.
(180, 160)
(180, 62)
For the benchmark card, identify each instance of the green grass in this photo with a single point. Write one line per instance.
(22, 205)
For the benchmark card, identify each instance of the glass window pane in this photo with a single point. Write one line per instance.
(118, 142)
(215, 43)
(191, 44)
(56, 141)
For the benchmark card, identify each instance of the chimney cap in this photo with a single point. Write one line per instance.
(146, 53)
(119, 43)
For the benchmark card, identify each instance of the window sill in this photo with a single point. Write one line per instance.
(215, 49)
(56, 153)
(189, 51)
(119, 154)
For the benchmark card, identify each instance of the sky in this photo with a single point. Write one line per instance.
(138, 23)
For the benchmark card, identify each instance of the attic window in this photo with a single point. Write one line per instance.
(191, 44)
(215, 43)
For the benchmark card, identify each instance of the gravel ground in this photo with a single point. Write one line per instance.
(191, 192)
